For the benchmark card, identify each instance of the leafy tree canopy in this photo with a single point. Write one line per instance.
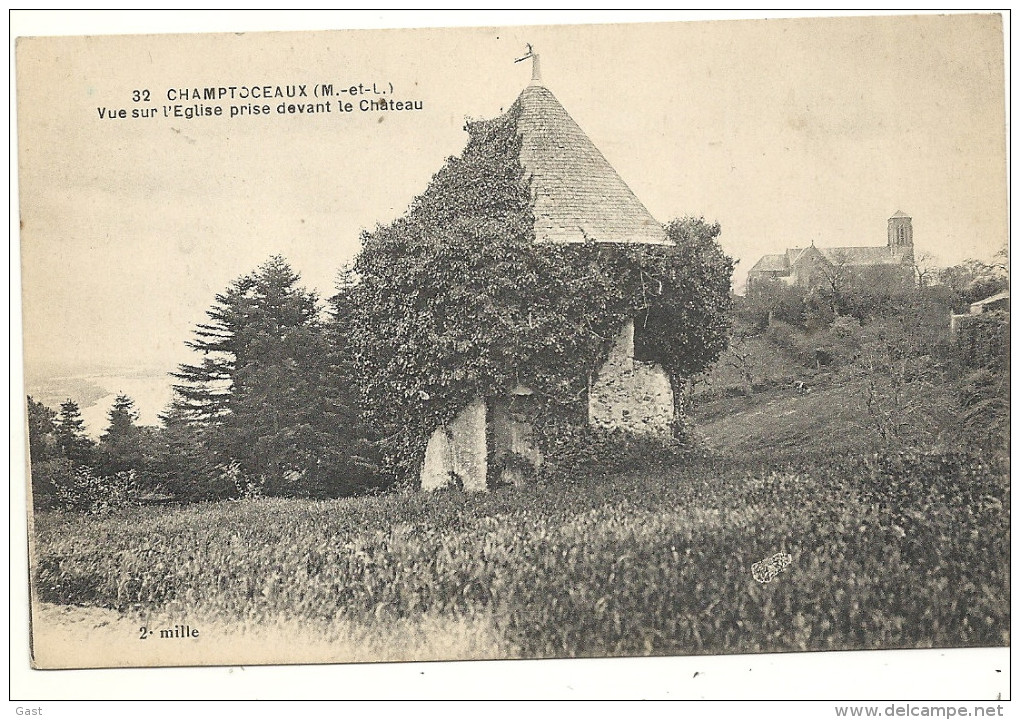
(42, 428)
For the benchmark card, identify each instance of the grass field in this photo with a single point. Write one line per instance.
(898, 551)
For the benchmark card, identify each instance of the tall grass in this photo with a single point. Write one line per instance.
(885, 554)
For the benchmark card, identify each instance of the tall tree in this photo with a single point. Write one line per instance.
(120, 446)
(293, 423)
(48, 467)
(974, 280)
(768, 300)
(264, 394)
(203, 394)
(74, 444)
(262, 305)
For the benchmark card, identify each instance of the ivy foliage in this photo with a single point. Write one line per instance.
(456, 300)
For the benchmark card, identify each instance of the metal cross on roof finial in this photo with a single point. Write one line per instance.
(536, 73)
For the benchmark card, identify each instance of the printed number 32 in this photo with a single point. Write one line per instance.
(140, 95)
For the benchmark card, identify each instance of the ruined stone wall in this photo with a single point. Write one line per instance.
(456, 453)
(513, 451)
(627, 394)
(631, 395)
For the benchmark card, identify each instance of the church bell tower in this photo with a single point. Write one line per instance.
(901, 234)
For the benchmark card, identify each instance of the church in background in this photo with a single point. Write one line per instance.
(889, 266)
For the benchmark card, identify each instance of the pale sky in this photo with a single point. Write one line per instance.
(784, 131)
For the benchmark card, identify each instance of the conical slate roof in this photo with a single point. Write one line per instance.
(577, 194)
(900, 214)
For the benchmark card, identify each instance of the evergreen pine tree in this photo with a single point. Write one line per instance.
(254, 310)
(71, 439)
(120, 446)
(260, 394)
(179, 463)
(204, 391)
(48, 467)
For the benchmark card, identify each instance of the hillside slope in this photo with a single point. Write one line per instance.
(828, 419)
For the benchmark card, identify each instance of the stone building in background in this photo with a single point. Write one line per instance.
(981, 336)
(889, 266)
(577, 196)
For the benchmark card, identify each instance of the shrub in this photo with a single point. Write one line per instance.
(84, 491)
(842, 340)
(47, 476)
(984, 417)
(245, 486)
(597, 453)
(982, 341)
(912, 478)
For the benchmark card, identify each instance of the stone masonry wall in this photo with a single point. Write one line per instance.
(631, 395)
(626, 394)
(457, 452)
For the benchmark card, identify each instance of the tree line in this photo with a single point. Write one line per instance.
(453, 300)
(290, 396)
(283, 398)
(270, 408)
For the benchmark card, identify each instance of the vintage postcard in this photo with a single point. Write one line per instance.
(525, 342)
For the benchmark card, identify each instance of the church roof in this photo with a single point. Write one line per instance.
(794, 254)
(771, 263)
(577, 194)
(861, 255)
(851, 256)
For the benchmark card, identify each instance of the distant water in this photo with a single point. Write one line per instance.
(95, 394)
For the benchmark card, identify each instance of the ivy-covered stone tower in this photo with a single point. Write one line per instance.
(576, 197)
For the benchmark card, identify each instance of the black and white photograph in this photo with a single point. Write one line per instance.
(516, 342)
